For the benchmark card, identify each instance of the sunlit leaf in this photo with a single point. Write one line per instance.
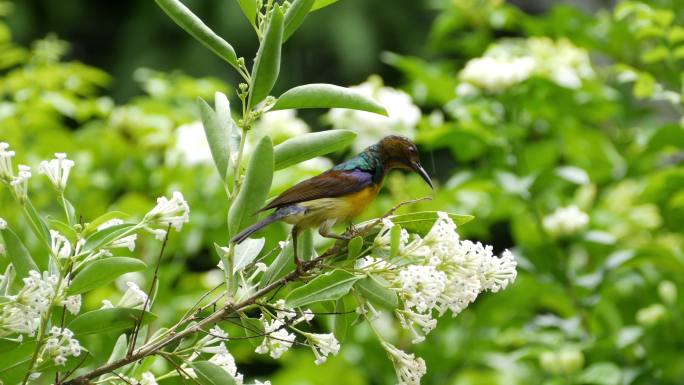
(327, 287)
(102, 272)
(217, 135)
(211, 374)
(107, 320)
(304, 147)
(327, 96)
(267, 63)
(18, 254)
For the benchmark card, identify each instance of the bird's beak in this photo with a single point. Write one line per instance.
(423, 174)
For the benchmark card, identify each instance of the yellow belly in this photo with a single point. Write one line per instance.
(341, 209)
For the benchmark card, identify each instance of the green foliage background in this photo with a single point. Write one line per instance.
(599, 307)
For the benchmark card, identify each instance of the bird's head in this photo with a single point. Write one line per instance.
(400, 152)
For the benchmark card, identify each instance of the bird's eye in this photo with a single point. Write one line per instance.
(412, 150)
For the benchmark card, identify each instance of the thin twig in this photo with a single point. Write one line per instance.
(139, 321)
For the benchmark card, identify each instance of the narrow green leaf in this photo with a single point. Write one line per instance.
(395, 240)
(192, 24)
(218, 137)
(107, 320)
(327, 287)
(106, 217)
(305, 247)
(354, 247)
(225, 119)
(15, 359)
(376, 292)
(102, 272)
(253, 328)
(63, 229)
(38, 225)
(295, 16)
(254, 188)
(267, 62)
(319, 95)
(18, 254)
(283, 264)
(246, 252)
(106, 236)
(311, 145)
(211, 374)
(342, 320)
(249, 8)
(322, 4)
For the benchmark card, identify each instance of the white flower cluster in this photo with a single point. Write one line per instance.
(278, 340)
(408, 368)
(60, 345)
(191, 146)
(565, 221)
(513, 61)
(174, 212)
(402, 120)
(213, 343)
(57, 170)
(439, 272)
(133, 298)
(19, 183)
(23, 311)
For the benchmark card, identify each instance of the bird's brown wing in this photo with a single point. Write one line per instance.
(330, 184)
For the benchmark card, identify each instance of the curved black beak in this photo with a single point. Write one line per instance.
(423, 174)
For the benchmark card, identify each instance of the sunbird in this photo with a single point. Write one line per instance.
(341, 193)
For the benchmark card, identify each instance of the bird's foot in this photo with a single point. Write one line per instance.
(299, 265)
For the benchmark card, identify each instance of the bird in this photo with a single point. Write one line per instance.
(341, 193)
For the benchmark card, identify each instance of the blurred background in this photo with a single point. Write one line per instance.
(558, 125)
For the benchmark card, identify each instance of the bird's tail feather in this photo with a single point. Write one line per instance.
(244, 234)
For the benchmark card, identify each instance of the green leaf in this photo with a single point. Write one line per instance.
(222, 107)
(249, 8)
(63, 229)
(106, 217)
(343, 319)
(421, 222)
(107, 320)
(102, 272)
(254, 330)
(267, 62)
(354, 247)
(601, 373)
(254, 189)
(321, 95)
(18, 254)
(305, 247)
(106, 236)
(376, 292)
(283, 264)
(119, 350)
(295, 16)
(246, 252)
(327, 287)
(311, 145)
(15, 359)
(211, 374)
(218, 137)
(38, 225)
(322, 4)
(192, 24)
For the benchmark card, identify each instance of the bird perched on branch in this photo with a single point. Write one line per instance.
(341, 193)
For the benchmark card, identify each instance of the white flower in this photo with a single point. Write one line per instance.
(57, 170)
(148, 379)
(23, 311)
(6, 169)
(565, 221)
(174, 212)
(277, 340)
(322, 345)
(159, 234)
(72, 303)
(3, 224)
(402, 120)
(107, 304)
(257, 382)
(134, 297)
(408, 368)
(191, 146)
(60, 345)
(60, 246)
(19, 183)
